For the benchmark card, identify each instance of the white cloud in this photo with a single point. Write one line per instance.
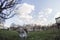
(25, 17)
(57, 15)
(24, 14)
(43, 16)
(25, 8)
(41, 21)
(46, 11)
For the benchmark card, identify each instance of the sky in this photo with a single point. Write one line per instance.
(40, 12)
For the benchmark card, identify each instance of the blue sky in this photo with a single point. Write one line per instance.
(36, 12)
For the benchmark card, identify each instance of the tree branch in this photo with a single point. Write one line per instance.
(11, 16)
(7, 17)
(2, 3)
(8, 6)
(11, 4)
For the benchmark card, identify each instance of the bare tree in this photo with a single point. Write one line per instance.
(4, 5)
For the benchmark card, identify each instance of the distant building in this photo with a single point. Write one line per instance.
(1, 26)
(58, 20)
(2, 23)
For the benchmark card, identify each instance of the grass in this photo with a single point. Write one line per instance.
(41, 35)
(8, 35)
(45, 35)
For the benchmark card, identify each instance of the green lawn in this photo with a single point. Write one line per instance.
(8, 35)
(41, 35)
(45, 35)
